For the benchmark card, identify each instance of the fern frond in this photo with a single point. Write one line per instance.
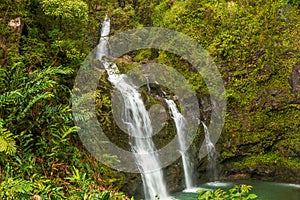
(7, 143)
(40, 86)
(10, 97)
(58, 112)
(38, 97)
(51, 71)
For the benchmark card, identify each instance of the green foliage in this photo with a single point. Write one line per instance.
(16, 188)
(254, 44)
(66, 9)
(23, 94)
(41, 153)
(238, 192)
(7, 143)
(292, 2)
(80, 188)
(83, 188)
(11, 189)
(270, 160)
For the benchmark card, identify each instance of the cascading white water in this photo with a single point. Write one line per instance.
(137, 122)
(211, 156)
(181, 131)
(102, 52)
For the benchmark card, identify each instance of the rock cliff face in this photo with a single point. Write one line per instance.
(263, 141)
(261, 136)
(256, 47)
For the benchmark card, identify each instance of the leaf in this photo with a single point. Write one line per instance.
(252, 196)
(105, 195)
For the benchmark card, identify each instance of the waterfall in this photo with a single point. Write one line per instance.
(102, 52)
(211, 156)
(181, 131)
(137, 122)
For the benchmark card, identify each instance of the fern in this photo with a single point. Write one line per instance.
(7, 143)
(238, 192)
(15, 189)
(24, 90)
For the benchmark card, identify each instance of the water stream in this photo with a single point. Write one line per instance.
(211, 156)
(137, 122)
(180, 123)
(264, 190)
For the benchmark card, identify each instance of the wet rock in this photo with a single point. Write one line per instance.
(133, 185)
(174, 177)
(261, 173)
(238, 176)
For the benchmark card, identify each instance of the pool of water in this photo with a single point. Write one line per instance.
(264, 190)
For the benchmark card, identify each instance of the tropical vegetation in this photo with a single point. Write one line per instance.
(254, 43)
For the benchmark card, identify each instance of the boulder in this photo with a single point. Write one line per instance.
(16, 25)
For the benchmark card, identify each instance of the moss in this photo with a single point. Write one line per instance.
(270, 160)
(254, 46)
